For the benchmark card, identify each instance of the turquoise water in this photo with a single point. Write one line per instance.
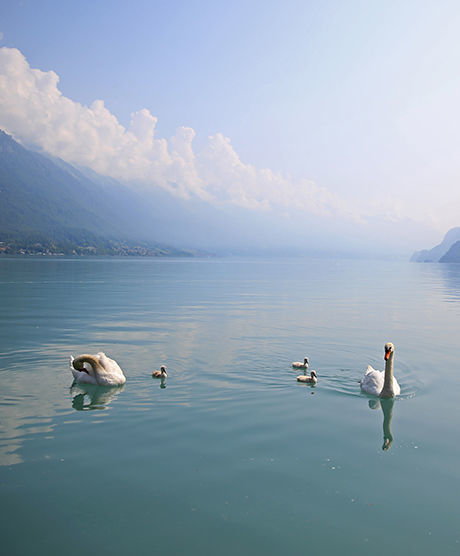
(230, 455)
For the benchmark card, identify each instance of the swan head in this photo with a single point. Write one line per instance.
(163, 368)
(389, 350)
(387, 442)
(80, 366)
(305, 361)
(314, 375)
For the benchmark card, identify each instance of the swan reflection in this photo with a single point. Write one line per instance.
(387, 408)
(90, 396)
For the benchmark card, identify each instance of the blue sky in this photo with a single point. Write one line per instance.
(360, 97)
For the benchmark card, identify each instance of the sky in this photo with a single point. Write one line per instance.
(347, 111)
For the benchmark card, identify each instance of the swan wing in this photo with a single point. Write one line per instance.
(112, 374)
(370, 370)
(110, 365)
(372, 381)
(83, 378)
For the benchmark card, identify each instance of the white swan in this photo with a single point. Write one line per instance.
(300, 365)
(96, 369)
(382, 383)
(161, 373)
(312, 379)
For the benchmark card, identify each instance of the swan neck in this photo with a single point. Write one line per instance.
(92, 360)
(387, 390)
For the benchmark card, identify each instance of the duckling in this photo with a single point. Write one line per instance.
(300, 365)
(312, 379)
(161, 373)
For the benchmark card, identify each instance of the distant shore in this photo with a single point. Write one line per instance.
(106, 248)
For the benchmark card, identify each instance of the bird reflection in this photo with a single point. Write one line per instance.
(162, 381)
(387, 407)
(90, 396)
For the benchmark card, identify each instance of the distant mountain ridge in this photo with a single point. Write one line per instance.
(447, 251)
(453, 255)
(48, 205)
(47, 201)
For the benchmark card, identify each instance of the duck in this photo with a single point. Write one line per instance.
(96, 369)
(382, 383)
(300, 365)
(312, 379)
(161, 373)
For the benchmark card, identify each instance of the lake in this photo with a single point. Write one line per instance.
(229, 455)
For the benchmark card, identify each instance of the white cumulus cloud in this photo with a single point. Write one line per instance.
(33, 110)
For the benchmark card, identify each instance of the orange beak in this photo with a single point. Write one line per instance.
(387, 355)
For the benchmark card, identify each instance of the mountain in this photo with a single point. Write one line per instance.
(47, 205)
(453, 255)
(437, 253)
(50, 206)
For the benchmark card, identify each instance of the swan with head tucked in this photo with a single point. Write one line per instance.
(300, 365)
(382, 383)
(161, 373)
(312, 379)
(96, 369)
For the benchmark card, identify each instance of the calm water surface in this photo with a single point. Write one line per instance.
(230, 455)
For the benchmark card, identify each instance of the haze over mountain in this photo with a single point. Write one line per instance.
(44, 197)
